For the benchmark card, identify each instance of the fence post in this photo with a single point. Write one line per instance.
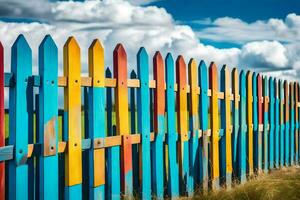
(292, 124)
(242, 132)
(48, 119)
(225, 141)
(287, 125)
(282, 126)
(96, 120)
(19, 118)
(2, 128)
(144, 122)
(159, 126)
(249, 117)
(215, 129)
(182, 120)
(235, 119)
(121, 104)
(173, 179)
(266, 124)
(203, 149)
(255, 122)
(72, 133)
(271, 122)
(277, 125)
(194, 122)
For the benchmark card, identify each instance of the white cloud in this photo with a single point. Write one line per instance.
(114, 21)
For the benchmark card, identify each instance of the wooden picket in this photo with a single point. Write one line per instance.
(197, 131)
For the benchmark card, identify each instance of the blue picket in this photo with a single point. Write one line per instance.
(21, 64)
(203, 115)
(277, 125)
(143, 104)
(242, 130)
(173, 175)
(292, 124)
(48, 119)
(113, 153)
(272, 125)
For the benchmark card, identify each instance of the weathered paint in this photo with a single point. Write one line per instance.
(159, 126)
(282, 126)
(225, 140)
(48, 119)
(182, 124)
(203, 147)
(287, 124)
(21, 67)
(173, 178)
(214, 121)
(121, 103)
(143, 106)
(96, 120)
(235, 119)
(72, 108)
(277, 124)
(194, 122)
(249, 117)
(271, 122)
(292, 124)
(265, 124)
(2, 132)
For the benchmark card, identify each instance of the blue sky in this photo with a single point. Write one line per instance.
(261, 35)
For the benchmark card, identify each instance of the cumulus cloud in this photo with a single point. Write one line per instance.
(114, 21)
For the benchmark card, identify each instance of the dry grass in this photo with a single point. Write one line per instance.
(277, 185)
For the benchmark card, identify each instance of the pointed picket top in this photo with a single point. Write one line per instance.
(159, 76)
(243, 81)
(21, 42)
(96, 63)
(249, 76)
(120, 51)
(169, 62)
(1, 46)
(224, 68)
(202, 76)
(120, 64)
(143, 66)
(276, 86)
(169, 58)
(71, 43)
(108, 73)
(47, 42)
(193, 72)
(181, 72)
(132, 74)
(72, 57)
(213, 77)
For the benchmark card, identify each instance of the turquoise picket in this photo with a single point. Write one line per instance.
(203, 115)
(21, 64)
(242, 130)
(272, 125)
(287, 124)
(292, 124)
(255, 123)
(158, 175)
(143, 104)
(277, 126)
(96, 118)
(173, 175)
(48, 119)
(282, 126)
(265, 125)
(113, 153)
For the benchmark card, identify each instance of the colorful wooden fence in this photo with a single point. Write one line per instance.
(135, 137)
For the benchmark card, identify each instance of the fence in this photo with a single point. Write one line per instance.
(205, 138)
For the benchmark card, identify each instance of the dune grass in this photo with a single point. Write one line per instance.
(283, 184)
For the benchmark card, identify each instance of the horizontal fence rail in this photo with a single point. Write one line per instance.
(129, 137)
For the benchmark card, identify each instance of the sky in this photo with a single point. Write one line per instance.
(260, 35)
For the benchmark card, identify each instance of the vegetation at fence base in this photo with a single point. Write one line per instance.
(280, 184)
